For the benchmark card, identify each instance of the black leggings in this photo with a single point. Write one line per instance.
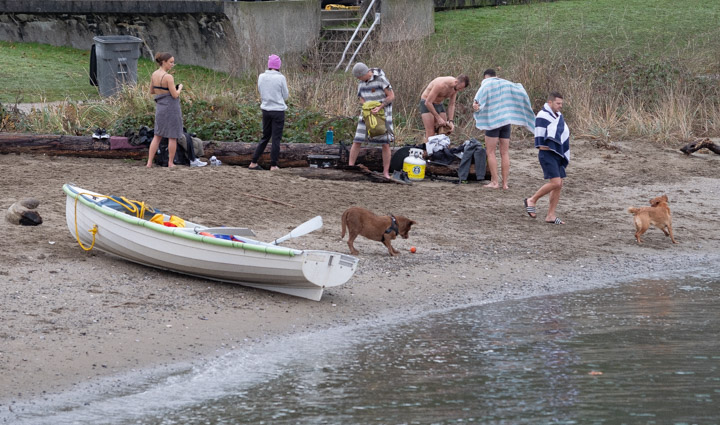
(273, 124)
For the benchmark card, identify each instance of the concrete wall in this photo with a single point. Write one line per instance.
(222, 35)
(274, 27)
(406, 19)
(111, 6)
(197, 39)
(225, 36)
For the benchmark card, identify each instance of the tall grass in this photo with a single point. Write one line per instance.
(624, 75)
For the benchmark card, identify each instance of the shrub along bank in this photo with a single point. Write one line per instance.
(640, 69)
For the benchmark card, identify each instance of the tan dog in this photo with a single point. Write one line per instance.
(360, 221)
(657, 215)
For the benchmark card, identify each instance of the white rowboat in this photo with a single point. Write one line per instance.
(302, 273)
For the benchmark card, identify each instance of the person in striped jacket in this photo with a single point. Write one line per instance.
(373, 85)
(552, 140)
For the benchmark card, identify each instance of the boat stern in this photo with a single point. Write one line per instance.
(327, 269)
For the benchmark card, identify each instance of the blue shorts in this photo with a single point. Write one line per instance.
(500, 132)
(551, 164)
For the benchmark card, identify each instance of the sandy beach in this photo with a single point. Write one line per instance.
(70, 316)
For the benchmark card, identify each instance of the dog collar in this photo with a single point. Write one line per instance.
(393, 226)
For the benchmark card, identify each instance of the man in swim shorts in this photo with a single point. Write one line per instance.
(432, 109)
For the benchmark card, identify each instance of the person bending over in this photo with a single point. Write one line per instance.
(432, 108)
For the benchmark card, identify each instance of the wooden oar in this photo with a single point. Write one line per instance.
(303, 229)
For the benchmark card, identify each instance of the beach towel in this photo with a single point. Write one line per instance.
(168, 117)
(503, 102)
(551, 131)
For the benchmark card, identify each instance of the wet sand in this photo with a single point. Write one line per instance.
(70, 317)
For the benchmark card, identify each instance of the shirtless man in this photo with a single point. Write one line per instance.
(432, 109)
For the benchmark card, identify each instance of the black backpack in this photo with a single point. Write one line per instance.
(181, 157)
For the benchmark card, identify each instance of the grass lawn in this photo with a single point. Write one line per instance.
(32, 72)
(645, 29)
(642, 28)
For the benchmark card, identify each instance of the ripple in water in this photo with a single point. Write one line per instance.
(645, 352)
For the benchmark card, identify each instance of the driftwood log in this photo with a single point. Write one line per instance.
(700, 144)
(232, 153)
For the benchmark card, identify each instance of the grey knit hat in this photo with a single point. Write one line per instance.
(360, 69)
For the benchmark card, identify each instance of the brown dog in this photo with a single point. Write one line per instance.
(657, 215)
(360, 221)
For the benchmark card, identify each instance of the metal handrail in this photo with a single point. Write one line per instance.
(367, 11)
(377, 19)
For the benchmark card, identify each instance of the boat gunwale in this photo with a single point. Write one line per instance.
(174, 231)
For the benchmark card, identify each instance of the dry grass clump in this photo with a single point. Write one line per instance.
(609, 95)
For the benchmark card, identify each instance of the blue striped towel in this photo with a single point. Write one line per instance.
(503, 102)
(551, 131)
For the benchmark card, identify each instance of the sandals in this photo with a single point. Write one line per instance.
(532, 212)
(530, 209)
(257, 167)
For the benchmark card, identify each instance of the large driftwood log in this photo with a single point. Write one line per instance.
(54, 145)
(232, 153)
(700, 144)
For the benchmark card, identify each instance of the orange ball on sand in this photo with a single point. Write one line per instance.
(413, 249)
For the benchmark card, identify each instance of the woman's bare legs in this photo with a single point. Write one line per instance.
(153, 148)
(172, 147)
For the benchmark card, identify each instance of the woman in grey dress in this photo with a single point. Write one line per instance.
(168, 117)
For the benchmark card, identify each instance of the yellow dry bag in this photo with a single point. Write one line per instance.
(374, 123)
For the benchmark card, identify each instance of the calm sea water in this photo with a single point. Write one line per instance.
(642, 352)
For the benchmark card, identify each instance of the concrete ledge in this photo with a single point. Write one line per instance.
(402, 20)
(225, 36)
(111, 6)
(273, 27)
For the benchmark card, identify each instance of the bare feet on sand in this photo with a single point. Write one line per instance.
(492, 185)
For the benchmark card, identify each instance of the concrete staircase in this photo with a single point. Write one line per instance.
(337, 28)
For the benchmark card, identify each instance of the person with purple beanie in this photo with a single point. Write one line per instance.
(273, 94)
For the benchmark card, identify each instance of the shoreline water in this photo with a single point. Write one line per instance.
(94, 400)
(73, 317)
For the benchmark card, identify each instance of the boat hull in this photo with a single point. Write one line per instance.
(302, 273)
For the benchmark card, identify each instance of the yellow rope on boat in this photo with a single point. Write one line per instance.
(130, 205)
